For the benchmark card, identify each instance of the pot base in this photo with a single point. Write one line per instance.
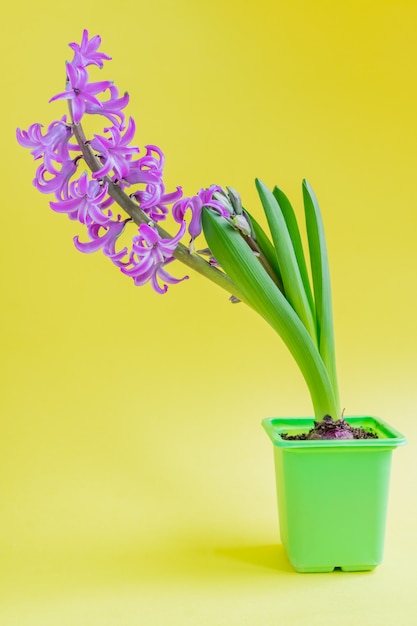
(324, 570)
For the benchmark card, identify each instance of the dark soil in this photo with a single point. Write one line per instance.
(329, 429)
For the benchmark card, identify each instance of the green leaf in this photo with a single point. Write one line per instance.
(294, 232)
(321, 283)
(287, 260)
(265, 246)
(261, 293)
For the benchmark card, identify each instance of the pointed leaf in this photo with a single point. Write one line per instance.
(287, 261)
(321, 282)
(294, 232)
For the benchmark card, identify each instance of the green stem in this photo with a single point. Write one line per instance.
(181, 252)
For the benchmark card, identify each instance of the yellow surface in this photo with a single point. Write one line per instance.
(137, 486)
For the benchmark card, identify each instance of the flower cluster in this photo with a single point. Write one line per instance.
(87, 197)
(266, 270)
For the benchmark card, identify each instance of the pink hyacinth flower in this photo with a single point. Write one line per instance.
(53, 145)
(196, 204)
(114, 151)
(50, 180)
(87, 53)
(84, 201)
(105, 241)
(80, 92)
(111, 108)
(154, 201)
(150, 253)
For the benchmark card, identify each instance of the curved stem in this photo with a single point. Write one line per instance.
(181, 252)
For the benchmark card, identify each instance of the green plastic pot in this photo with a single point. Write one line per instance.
(332, 495)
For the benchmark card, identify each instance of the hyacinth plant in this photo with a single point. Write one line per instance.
(90, 176)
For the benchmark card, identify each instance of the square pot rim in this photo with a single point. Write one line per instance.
(388, 437)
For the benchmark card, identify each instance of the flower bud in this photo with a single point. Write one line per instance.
(235, 200)
(241, 223)
(222, 198)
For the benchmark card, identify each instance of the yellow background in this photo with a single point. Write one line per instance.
(137, 486)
